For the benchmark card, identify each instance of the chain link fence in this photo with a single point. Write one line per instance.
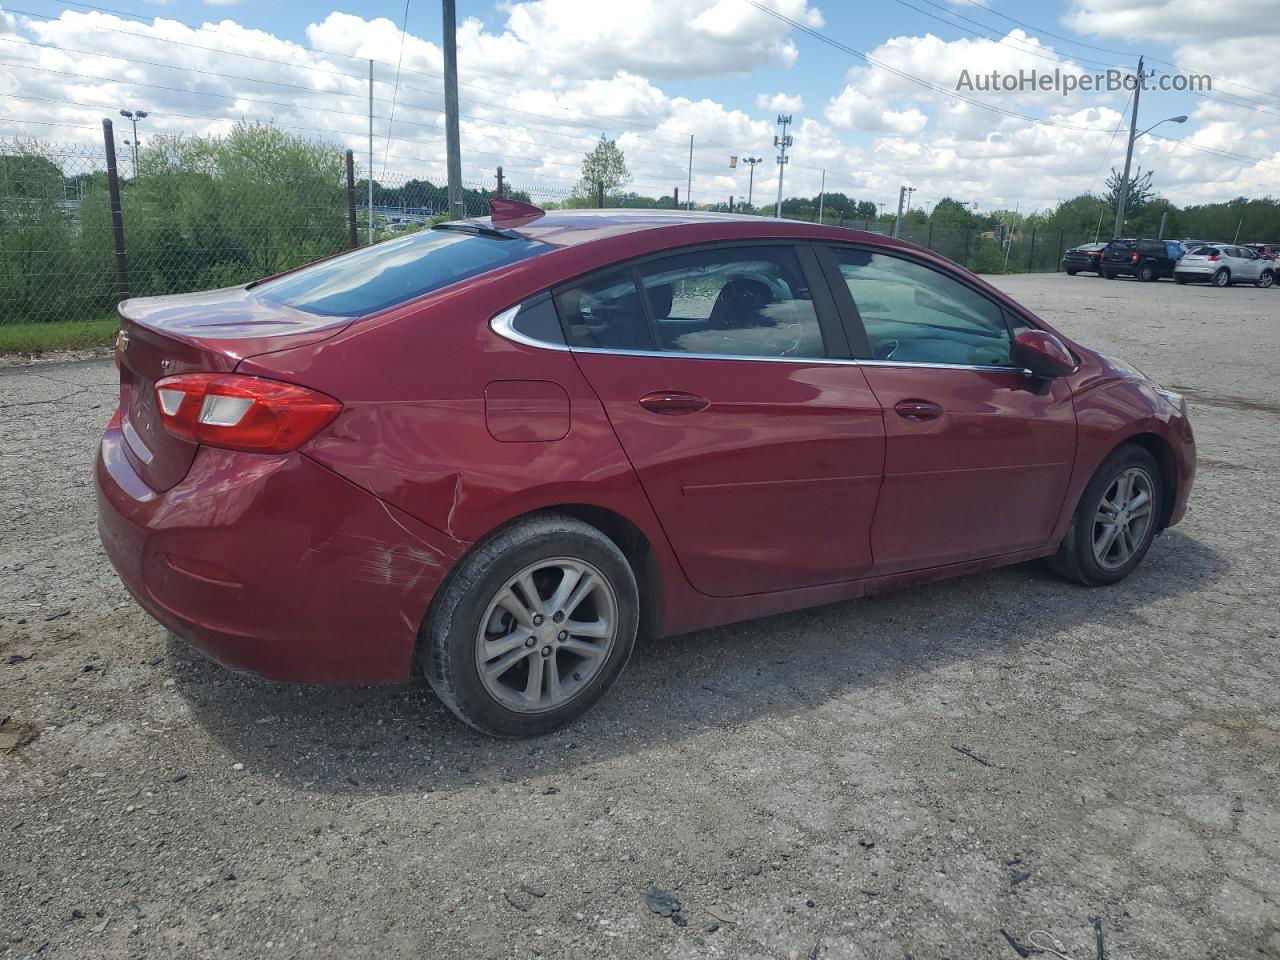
(206, 212)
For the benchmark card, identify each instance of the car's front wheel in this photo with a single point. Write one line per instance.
(1266, 279)
(1116, 520)
(534, 626)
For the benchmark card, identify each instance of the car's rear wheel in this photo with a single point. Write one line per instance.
(1178, 279)
(1071, 273)
(1108, 274)
(1222, 278)
(1116, 520)
(534, 626)
(1266, 279)
(1146, 273)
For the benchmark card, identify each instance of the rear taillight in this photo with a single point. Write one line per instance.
(1134, 258)
(1212, 256)
(242, 413)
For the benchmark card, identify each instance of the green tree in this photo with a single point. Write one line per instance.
(603, 166)
(1139, 194)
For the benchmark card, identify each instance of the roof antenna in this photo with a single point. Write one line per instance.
(512, 213)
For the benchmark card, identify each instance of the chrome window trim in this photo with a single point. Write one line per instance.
(502, 325)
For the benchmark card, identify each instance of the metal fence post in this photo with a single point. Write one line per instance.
(353, 236)
(929, 243)
(1062, 236)
(501, 185)
(675, 203)
(600, 194)
(117, 214)
(1031, 254)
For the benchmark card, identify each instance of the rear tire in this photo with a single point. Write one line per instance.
(1222, 278)
(1071, 273)
(1127, 493)
(1146, 273)
(1108, 274)
(1179, 280)
(470, 647)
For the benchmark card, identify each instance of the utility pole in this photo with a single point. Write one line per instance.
(782, 142)
(501, 184)
(1164, 218)
(452, 139)
(369, 172)
(688, 187)
(897, 221)
(910, 191)
(751, 162)
(821, 193)
(1128, 155)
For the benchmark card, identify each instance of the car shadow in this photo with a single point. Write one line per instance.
(391, 740)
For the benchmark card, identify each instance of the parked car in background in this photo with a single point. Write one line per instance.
(493, 452)
(1083, 259)
(1144, 259)
(1268, 251)
(1223, 264)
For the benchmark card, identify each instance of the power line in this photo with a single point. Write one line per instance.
(970, 100)
(404, 29)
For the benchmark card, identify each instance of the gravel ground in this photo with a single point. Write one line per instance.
(901, 776)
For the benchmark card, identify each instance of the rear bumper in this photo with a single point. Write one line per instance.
(273, 565)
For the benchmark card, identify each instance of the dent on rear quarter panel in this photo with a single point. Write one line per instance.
(415, 429)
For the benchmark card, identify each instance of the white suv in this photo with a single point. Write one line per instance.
(1223, 264)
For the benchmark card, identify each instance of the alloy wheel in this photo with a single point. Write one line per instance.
(1266, 280)
(1123, 518)
(1221, 278)
(546, 634)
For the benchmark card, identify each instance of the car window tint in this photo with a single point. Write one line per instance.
(1204, 251)
(915, 314)
(1151, 246)
(394, 271)
(537, 319)
(605, 311)
(741, 302)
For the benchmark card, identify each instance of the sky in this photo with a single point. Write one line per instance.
(543, 79)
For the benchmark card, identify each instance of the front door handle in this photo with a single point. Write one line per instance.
(917, 411)
(673, 402)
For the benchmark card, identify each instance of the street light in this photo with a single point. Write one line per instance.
(1181, 119)
(134, 116)
(751, 177)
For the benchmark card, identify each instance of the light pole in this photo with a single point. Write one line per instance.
(751, 177)
(133, 116)
(1128, 154)
(782, 142)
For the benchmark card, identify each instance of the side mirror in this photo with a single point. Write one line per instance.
(1043, 354)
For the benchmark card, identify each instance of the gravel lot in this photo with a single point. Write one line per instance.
(892, 777)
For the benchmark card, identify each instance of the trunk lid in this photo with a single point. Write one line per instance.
(209, 332)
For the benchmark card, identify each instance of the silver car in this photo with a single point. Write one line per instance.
(1223, 264)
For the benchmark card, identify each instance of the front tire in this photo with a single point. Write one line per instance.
(1222, 278)
(1267, 279)
(1116, 520)
(534, 626)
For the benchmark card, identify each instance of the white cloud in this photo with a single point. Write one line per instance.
(539, 90)
(1172, 21)
(780, 102)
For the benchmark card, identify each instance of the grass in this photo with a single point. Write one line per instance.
(37, 338)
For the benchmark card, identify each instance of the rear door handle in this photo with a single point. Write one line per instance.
(673, 402)
(917, 411)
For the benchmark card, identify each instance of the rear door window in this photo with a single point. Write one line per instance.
(385, 274)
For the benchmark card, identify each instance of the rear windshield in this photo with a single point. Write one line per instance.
(395, 271)
(1123, 244)
(1204, 251)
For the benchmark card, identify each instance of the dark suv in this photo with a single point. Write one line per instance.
(1144, 259)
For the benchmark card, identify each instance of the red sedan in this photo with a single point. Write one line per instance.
(494, 451)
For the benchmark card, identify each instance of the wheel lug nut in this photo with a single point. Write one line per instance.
(546, 651)
(558, 617)
(530, 642)
(577, 676)
(537, 619)
(563, 635)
